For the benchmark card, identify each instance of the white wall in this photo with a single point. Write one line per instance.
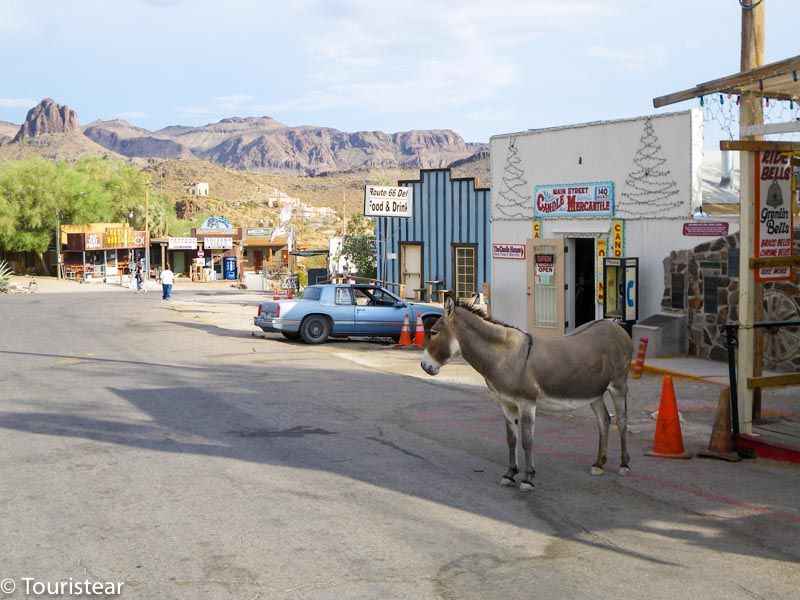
(597, 152)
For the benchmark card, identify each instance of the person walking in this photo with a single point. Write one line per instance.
(167, 279)
(139, 276)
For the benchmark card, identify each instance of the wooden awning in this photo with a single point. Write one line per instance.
(777, 80)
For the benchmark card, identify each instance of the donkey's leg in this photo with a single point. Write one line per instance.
(603, 421)
(512, 418)
(527, 420)
(619, 396)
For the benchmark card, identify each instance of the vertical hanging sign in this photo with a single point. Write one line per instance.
(601, 249)
(617, 238)
(773, 219)
(537, 229)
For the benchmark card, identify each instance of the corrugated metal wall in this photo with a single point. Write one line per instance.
(446, 211)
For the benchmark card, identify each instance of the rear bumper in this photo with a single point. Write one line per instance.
(276, 325)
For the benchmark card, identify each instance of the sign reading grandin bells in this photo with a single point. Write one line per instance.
(384, 201)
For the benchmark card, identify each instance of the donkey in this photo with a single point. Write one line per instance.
(518, 367)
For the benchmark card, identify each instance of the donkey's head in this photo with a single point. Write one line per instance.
(442, 343)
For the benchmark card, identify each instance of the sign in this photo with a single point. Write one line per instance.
(182, 243)
(617, 238)
(217, 225)
(218, 243)
(93, 241)
(200, 253)
(384, 201)
(601, 249)
(574, 200)
(258, 232)
(704, 229)
(773, 218)
(537, 229)
(516, 251)
(545, 268)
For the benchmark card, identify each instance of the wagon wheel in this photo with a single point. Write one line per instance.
(780, 343)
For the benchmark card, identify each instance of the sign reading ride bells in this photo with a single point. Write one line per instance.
(773, 219)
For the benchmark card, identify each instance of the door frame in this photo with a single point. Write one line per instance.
(400, 265)
(531, 245)
(454, 275)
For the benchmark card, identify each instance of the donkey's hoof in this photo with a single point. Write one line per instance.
(525, 486)
(624, 470)
(507, 481)
(597, 470)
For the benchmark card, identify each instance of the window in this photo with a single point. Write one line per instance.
(312, 293)
(710, 286)
(466, 271)
(343, 296)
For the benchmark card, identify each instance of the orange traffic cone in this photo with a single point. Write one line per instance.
(405, 334)
(721, 443)
(290, 294)
(668, 439)
(276, 294)
(419, 332)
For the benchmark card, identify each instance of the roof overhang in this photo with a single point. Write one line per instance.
(777, 80)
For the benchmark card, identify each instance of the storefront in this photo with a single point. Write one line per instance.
(260, 250)
(221, 247)
(96, 252)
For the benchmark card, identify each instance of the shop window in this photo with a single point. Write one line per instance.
(733, 262)
(466, 271)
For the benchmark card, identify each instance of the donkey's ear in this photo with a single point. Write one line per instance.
(449, 305)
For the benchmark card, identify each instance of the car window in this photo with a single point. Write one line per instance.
(362, 298)
(312, 293)
(343, 296)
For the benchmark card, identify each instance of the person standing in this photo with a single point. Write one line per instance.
(139, 276)
(167, 279)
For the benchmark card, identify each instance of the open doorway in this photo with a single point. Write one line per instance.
(584, 281)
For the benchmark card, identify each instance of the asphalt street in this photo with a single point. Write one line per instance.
(164, 446)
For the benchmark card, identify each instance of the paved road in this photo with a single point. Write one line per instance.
(162, 446)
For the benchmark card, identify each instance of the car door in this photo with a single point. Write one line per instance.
(376, 312)
(342, 312)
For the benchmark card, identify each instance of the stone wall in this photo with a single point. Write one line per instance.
(704, 283)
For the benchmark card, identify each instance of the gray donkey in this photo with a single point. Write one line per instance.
(518, 367)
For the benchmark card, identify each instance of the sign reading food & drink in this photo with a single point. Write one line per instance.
(385, 201)
(574, 200)
(773, 218)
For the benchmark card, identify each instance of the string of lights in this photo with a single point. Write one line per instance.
(514, 201)
(723, 111)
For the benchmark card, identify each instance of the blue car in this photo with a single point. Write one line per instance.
(342, 310)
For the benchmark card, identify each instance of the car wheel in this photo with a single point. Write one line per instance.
(291, 335)
(315, 330)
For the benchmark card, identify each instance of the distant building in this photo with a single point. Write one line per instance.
(197, 189)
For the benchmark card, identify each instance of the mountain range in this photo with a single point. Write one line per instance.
(245, 143)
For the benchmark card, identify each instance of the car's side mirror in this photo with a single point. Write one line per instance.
(400, 304)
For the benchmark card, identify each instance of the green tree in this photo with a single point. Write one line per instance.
(358, 246)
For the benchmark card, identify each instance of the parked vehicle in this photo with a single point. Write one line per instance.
(342, 310)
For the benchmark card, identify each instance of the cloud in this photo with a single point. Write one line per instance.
(17, 103)
(492, 116)
(234, 100)
(631, 59)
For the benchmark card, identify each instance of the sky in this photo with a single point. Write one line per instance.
(477, 67)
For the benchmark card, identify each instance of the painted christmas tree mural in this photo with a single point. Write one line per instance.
(650, 190)
(514, 202)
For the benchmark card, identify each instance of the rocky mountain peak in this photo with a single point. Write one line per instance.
(48, 117)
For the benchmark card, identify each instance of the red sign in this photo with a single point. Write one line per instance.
(200, 254)
(703, 229)
(773, 225)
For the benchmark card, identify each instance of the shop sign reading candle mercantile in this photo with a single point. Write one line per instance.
(773, 217)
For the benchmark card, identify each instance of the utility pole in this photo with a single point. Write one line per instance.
(58, 244)
(147, 231)
(751, 297)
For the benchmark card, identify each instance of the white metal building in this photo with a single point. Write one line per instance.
(612, 188)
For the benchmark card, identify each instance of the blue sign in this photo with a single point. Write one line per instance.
(229, 267)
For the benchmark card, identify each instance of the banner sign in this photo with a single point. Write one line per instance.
(516, 251)
(114, 239)
(773, 218)
(94, 241)
(258, 232)
(601, 249)
(182, 243)
(217, 243)
(384, 201)
(545, 268)
(617, 238)
(703, 229)
(574, 200)
(537, 229)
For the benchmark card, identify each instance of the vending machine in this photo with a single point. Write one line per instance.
(229, 267)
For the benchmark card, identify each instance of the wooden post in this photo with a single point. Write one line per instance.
(751, 293)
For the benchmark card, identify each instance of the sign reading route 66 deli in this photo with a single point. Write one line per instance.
(773, 218)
